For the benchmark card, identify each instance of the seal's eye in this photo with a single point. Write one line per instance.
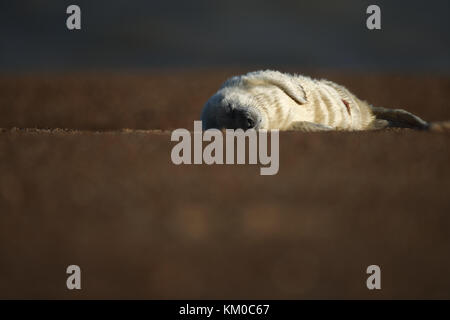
(228, 108)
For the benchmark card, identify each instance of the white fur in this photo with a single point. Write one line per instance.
(282, 100)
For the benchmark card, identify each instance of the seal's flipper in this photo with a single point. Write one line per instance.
(378, 124)
(306, 126)
(400, 118)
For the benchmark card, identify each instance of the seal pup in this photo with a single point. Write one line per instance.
(266, 100)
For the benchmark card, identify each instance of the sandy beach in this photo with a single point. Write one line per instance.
(86, 178)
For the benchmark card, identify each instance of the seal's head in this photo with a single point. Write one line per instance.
(257, 100)
(232, 108)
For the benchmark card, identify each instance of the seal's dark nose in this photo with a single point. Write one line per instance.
(243, 119)
(250, 123)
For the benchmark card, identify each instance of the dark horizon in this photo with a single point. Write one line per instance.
(177, 34)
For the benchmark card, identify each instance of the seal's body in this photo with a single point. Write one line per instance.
(273, 100)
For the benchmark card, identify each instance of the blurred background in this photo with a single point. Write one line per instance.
(141, 34)
(79, 184)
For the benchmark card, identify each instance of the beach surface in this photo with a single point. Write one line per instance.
(86, 178)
